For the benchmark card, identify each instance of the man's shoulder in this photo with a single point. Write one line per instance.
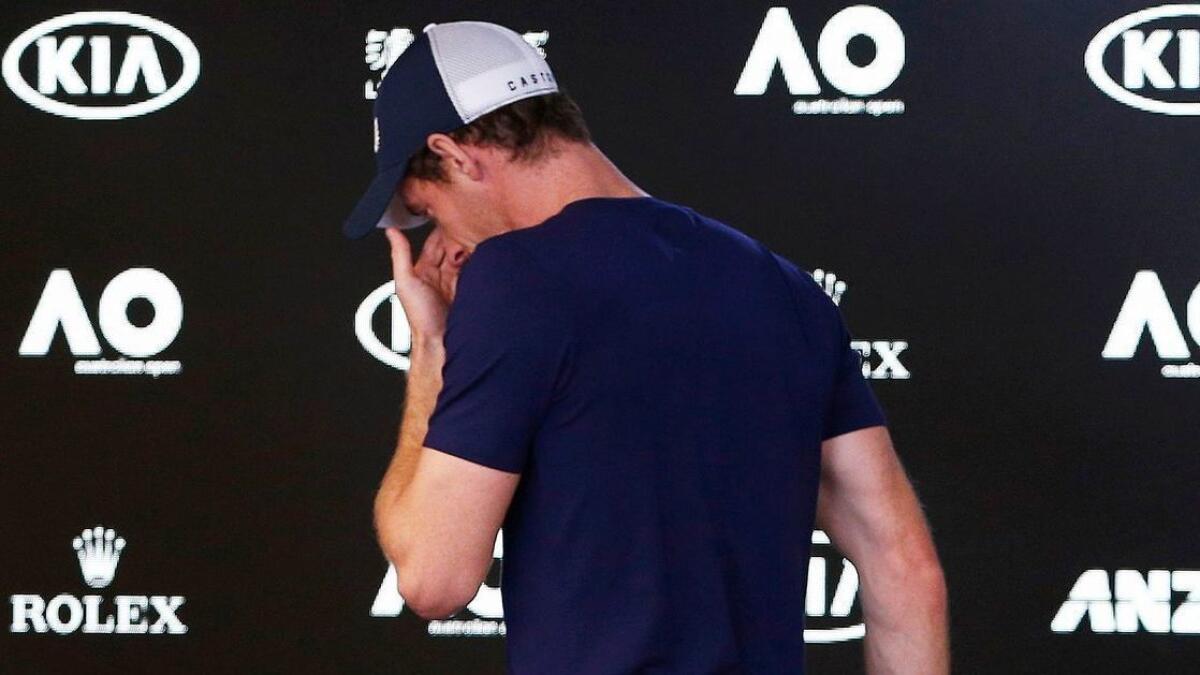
(821, 314)
(789, 267)
(508, 280)
(501, 260)
(799, 278)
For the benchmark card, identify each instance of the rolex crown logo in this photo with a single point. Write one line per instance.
(99, 549)
(829, 283)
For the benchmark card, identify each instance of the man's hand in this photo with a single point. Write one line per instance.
(426, 288)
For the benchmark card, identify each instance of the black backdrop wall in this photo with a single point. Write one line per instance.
(195, 360)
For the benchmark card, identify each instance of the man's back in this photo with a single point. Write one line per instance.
(662, 383)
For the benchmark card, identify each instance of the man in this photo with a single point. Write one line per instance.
(644, 398)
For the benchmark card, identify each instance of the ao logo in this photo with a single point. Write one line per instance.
(1146, 308)
(60, 304)
(778, 42)
(401, 336)
(55, 65)
(1142, 59)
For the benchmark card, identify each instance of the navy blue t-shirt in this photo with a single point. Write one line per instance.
(662, 383)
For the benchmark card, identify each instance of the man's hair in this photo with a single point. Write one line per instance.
(523, 127)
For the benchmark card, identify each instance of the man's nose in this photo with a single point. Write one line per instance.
(456, 254)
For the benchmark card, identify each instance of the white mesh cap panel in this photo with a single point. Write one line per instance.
(486, 66)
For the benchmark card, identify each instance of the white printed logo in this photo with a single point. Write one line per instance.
(829, 604)
(99, 550)
(383, 47)
(54, 66)
(779, 43)
(1146, 309)
(61, 305)
(395, 353)
(1145, 81)
(881, 358)
(1132, 603)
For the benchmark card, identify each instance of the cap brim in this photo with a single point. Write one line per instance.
(381, 207)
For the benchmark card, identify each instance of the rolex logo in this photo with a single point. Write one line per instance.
(99, 550)
(880, 358)
(829, 283)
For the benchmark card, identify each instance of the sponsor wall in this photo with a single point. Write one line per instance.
(203, 379)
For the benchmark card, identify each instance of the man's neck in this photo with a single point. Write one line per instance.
(576, 171)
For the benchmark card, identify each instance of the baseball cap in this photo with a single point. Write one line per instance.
(449, 76)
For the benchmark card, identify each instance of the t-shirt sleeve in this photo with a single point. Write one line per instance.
(507, 341)
(853, 404)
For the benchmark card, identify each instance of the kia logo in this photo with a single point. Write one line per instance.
(60, 85)
(1143, 68)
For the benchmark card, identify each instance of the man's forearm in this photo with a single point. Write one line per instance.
(423, 383)
(905, 610)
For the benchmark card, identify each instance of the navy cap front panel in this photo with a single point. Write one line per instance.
(411, 104)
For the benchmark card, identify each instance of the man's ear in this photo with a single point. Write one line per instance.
(455, 157)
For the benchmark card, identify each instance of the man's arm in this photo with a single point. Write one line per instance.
(868, 508)
(420, 394)
(436, 515)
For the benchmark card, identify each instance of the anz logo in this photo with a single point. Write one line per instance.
(1130, 601)
(101, 65)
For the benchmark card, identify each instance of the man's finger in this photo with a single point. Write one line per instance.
(401, 252)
